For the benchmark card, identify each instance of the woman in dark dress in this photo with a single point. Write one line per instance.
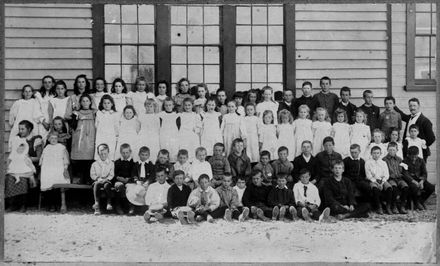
(16, 192)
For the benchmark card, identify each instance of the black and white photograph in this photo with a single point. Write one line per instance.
(203, 131)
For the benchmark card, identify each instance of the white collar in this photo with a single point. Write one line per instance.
(285, 187)
(416, 116)
(307, 158)
(351, 157)
(143, 163)
(129, 159)
(344, 104)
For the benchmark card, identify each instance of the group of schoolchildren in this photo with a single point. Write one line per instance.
(198, 157)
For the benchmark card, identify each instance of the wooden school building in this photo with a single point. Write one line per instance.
(388, 48)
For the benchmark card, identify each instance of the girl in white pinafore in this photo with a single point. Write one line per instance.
(119, 94)
(268, 135)
(58, 104)
(190, 127)
(302, 128)
(141, 94)
(321, 128)
(169, 129)
(107, 126)
(149, 132)
(341, 133)
(129, 127)
(361, 133)
(211, 133)
(232, 127)
(285, 133)
(252, 123)
(54, 161)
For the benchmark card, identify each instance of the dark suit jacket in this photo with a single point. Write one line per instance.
(282, 105)
(425, 129)
(149, 172)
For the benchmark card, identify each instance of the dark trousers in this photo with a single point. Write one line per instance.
(385, 194)
(363, 190)
(400, 191)
(52, 197)
(16, 202)
(107, 190)
(360, 210)
(418, 195)
(217, 213)
(81, 170)
(314, 214)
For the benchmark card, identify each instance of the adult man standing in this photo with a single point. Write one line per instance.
(425, 126)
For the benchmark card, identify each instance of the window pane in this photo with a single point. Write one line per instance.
(112, 34)
(243, 15)
(243, 34)
(129, 54)
(211, 15)
(178, 34)
(129, 34)
(195, 73)
(146, 33)
(275, 73)
(112, 14)
(212, 74)
(259, 54)
(112, 72)
(211, 35)
(112, 54)
(433, 68)
(243, 72)
(259, 73)
(423, 23)
(259, 15)
(276, 86)
(178, 72)
(422, 68)
(146, 14)
(147, 71)
(243, 54)
(146, 54)
(129, 13)
(178, 55)
(195, 55)
(195, 15)
(212, 55)
(259, 34)
(243, 86)
(195, 34)
(422, 46)
(276, 34)
(129, 73)
(433, 46)
(275, 54)
(276, 15)
(178, 15)
(423, 7)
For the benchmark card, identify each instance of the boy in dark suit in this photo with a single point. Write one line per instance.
(372, 111)
(255, 197)
(305, 161)
(287, 102)
(123, 170)
(177, 198)
(346, 105)
(355, 171)
(282, 200)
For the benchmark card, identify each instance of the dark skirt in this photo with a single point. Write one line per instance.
(12, 189)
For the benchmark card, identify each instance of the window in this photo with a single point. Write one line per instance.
(421, 46)
(259, 50)
(195, 45)
(129, 42)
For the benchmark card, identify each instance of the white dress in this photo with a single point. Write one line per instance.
(128, 134)
(169, 133)
(97, 96)
(23, 110)
(342, 138)
(120, 101)
(263, 106)
(53, 159)
(252, 130)
(268, 137)
(190, 125)
(211, 133)
(159, 101)
(302, 131)
(287, 139)
(107, 125)
(44, 109)
(320, 131)
(138, 100)
(360, 134)
(232, 127)
(59, 106)
(149, 134)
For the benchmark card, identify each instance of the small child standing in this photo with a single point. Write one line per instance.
(219, 164)
(321, 128)
(389, 118)
(183, 165)
(268, 134)
(190, 127)
(177, 198)
(169, 129)
(119, 94)
(378, 138)
(268, 174)
(59, 128)
(285, 133)
(238, 160)
(211, 132)
(149, 135)
(282, 166)
(252, 123)
(107, 125)
(232, 127)
(377, 172)
(129, 126)
(302, 127)
(102, 172)
(414, 140)
(156, 196)
(282, 200)
(200, 165)
(341, 133)
(360, 133)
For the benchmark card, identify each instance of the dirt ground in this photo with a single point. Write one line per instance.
(79, 236)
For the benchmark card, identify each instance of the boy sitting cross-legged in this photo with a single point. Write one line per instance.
(282, 200)
(283, 166)
(156, 196)
(204, 200)
(177, 198)
(255, 197)
(230, 202)
(307, 199)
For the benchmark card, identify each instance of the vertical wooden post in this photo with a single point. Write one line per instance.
(2, 130)
(389, 51)
(437, 77)
(410, 49)
(98, 40)
(289, 48)
(63, 200)
(163, 45)
(228, 41)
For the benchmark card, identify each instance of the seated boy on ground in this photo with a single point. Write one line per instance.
(266, 169)
(355, 171)
(240, 187)
(229, 201)
(255, 197)
(204, 201)
(178, 195)
(307, 199)
(102, 172)
(156, 197)
(283, 166)
(282, 200)
(123, 170)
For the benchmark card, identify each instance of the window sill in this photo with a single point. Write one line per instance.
(420, 87)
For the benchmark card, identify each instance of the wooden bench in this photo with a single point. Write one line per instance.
(63, 188)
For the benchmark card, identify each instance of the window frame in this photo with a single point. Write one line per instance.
(413, 84)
